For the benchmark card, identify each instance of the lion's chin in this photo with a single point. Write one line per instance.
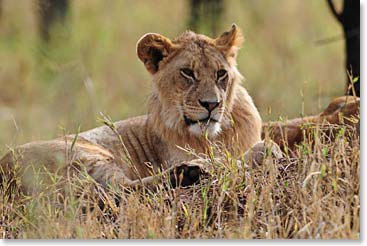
(211, 129)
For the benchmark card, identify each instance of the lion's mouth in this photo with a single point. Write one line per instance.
(206, 120)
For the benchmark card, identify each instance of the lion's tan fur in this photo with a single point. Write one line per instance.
(140, 146)
(135, 149)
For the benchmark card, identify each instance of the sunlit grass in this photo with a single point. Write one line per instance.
(312, 194)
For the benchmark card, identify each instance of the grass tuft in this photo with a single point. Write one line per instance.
(307, 195)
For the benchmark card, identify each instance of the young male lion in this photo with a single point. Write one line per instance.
(197, 100)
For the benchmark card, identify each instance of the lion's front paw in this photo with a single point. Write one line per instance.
(186, 174)
(259, 151)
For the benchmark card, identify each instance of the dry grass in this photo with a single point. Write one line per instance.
(313, 194)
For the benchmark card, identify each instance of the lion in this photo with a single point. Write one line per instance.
(197, 100)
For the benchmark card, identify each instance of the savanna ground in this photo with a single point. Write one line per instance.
(91, 67)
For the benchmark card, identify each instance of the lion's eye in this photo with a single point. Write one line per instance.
(187, 73)
(221, 74)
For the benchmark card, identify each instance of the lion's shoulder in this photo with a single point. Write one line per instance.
(111, 130)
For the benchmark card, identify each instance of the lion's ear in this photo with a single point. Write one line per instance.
(229, 42)
(152, 48)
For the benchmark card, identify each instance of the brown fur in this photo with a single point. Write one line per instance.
(136, 148)
(287, 134)
(131, 151)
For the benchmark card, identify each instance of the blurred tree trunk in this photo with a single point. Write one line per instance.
(205, 15)
(51, 12)
(1, 9)
(349, 18)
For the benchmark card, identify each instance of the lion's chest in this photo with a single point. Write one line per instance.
(178, 155)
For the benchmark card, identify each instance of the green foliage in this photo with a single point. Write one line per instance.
(90, 65)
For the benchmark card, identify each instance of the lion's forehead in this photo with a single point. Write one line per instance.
(189, 37)
(201, 59)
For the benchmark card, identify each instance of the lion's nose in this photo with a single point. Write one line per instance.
(209, 105)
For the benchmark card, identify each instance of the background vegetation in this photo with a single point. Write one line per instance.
(91, 65)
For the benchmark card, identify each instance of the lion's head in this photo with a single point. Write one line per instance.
(194, 79)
